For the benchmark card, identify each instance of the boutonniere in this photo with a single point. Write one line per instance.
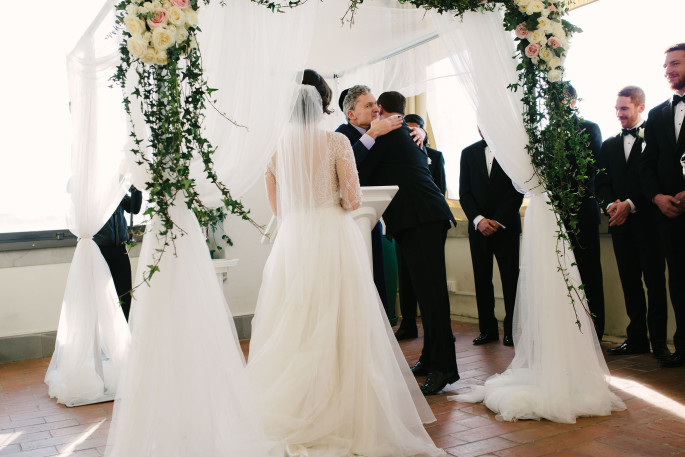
(641, 133)
(429, 160)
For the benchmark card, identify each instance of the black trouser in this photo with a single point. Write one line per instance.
(672, 233)
(422, 250)
(586, 251)
(639, 254)
(503, 245)
(379, 263)
(120, 267)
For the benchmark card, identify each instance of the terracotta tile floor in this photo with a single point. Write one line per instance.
(33, 425)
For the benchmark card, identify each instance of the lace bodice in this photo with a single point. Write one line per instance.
(335, 183)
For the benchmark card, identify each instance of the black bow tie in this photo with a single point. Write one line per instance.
(632, 131)
(677, 99)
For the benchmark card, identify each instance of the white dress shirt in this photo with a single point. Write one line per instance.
(489, 158)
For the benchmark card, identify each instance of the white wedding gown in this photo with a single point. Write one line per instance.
(329, 376)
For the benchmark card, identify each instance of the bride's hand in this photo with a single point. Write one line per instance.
(418, 135)
(382, 126)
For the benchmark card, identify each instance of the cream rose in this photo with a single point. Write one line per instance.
(191, 17)
(160, 17)
(522, 4)
(554, 75)
(176, 16)
(546, 54)
(137, 46)
(181, 35)
(535, 6)
(537, 36)
(554, 62)
(147, 7)
(532, 50)
(161, 57)
(134, 25)
(131, 10)
(150, 55)
(544, 24)
(156, 4)
(162, 38)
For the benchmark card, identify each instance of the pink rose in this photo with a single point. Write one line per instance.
(532, 50)
(521, 31)
(181, 3)
(554, 42)
(552, 8)
(159, 18)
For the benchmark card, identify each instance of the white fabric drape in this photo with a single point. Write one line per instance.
(558, 372)
(92, 337)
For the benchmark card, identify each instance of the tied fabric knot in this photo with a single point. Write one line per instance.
(677, 99)
(632, 131)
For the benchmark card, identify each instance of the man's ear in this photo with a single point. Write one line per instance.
(381, 111)
(350, 115)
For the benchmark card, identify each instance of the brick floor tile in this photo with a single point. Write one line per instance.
(490, 445)
(637, 445)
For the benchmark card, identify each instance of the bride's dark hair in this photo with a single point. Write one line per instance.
(312, 78)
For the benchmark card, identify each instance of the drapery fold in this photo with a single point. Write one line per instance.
(558, 371)
(92, 336)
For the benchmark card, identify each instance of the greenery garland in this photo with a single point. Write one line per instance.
(159, 43)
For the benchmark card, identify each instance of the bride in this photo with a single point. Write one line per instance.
(329, 378)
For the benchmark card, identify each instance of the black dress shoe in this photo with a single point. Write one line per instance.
(629, 348)
(419, 369)
(437, 380)
(676, 360)
(486, 338)
(508, 340)
(661, 352)
(406, 334)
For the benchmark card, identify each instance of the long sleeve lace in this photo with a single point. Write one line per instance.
(348, 178)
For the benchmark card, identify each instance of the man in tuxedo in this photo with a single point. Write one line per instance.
(418, 218)
(633, 232)
(408, 300)
(662, 167)
(491, 204)
(585, 242)
(363, 128)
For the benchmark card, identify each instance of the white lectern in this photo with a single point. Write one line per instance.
(375, 199)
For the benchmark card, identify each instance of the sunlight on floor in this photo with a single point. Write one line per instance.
(9, 438)
(84, 436)
(648, 394)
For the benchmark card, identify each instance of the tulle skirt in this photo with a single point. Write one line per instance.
(184, 391)
(329, 376)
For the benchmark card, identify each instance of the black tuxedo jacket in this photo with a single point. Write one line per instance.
(620, 179)
(589, 213)
(661, 172)
(396, 160)
(437, 168)
(494, 196)
(360, 151)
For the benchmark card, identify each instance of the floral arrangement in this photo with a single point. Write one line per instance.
(156, 26)
(159, 49)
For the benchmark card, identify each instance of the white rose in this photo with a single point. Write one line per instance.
(156, 4)
(166, 4)
(554, 75)
(162, 38)
(176, 16)
(558, 30)
(535, 6)
(537, 36)
(147, 36)
(191, 17)
(544, 24)
(160, 57)
(131, 10)
(137, 46)
(134, 25)
(554, 62)
(546, 54)
(181, 35)
(150, 55)
(147, 6)
(522, 4)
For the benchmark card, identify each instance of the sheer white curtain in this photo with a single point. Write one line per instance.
(558, 371)
(92, 336)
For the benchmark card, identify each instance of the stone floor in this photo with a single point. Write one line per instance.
(33, 425)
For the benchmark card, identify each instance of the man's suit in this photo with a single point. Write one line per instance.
(662, 173)
(408, 300)
(360, 155)
(494, 197)
(418, 219)
(636, 246)
(586, 243)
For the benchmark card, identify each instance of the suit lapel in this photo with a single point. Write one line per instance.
(667, 112)
(482, 165)
(635, 151)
